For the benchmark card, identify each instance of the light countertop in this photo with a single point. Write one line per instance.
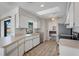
(5, 41)
(69, 43)
(66, 35)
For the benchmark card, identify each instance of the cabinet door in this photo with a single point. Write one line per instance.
(76, 13)
(11, 50)
(13, 53)
(70, 16)
(34, 42)
(38, 40)
(28, 45)
(23, 21)
(21, 47)
(2, 53)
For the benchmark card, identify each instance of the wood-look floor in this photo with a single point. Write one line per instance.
(48, 48)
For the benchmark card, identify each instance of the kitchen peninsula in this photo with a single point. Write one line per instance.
(68, 47)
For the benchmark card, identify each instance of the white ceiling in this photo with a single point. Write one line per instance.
(34, 7)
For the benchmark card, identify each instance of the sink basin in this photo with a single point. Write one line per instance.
(28, 34)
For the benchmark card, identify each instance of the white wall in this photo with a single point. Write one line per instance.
(10, 13)
(42, 29)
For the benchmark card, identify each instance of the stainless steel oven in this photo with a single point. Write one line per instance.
(75, 36)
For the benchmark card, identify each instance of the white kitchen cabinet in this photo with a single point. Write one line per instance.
(21, 47)
(69, 20)
(11, 50)
(31, 42)
(21, 21)
(36, 41)
(14, 53)
(76, 13)
(28, 44)
(2, 52)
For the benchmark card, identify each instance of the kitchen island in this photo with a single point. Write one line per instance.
(68, 47)
(18, 45)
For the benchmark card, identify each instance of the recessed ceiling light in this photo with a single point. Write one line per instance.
(42, 5)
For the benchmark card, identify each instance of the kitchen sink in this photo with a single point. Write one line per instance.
(28, 34)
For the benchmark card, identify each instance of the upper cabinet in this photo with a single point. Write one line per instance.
(69, 21)
(76, 13)
(23, 17)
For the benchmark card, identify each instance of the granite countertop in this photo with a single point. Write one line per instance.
(69, 43)
(66, 35)
(6, 41)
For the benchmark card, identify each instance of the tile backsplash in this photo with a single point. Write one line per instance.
(20, 31)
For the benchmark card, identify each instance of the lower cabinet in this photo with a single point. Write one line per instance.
(13, 53)
(21, 47)
(38, 40)
(28, 45)
(35, 41)
(11, 50)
